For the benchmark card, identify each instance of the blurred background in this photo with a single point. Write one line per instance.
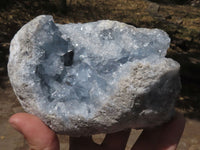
(179, 18)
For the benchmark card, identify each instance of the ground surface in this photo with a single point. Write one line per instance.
(181, 22)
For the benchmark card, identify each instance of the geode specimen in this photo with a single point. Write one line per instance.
(97, 77)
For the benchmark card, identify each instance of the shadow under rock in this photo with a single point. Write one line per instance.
(3, 66)
(189, 100)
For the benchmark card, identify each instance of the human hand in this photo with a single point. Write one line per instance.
(40, 137)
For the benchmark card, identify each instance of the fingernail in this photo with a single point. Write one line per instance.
(12, 123)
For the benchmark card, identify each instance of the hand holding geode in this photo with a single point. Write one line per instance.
(98, 77)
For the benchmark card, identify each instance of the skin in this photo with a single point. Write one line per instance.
(41, 137)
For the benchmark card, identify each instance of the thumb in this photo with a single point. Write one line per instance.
(37, 134)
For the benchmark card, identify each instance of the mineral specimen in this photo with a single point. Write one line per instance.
(97, 77)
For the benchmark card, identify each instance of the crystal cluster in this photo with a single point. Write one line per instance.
(97, 77)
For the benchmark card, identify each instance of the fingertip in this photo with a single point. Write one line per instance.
(15, 120)
(35, 131)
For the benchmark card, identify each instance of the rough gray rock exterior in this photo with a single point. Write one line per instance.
(97, 77)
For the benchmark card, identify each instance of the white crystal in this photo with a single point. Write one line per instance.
(103, 76)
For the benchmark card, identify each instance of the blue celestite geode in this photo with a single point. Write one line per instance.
(97, 77)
